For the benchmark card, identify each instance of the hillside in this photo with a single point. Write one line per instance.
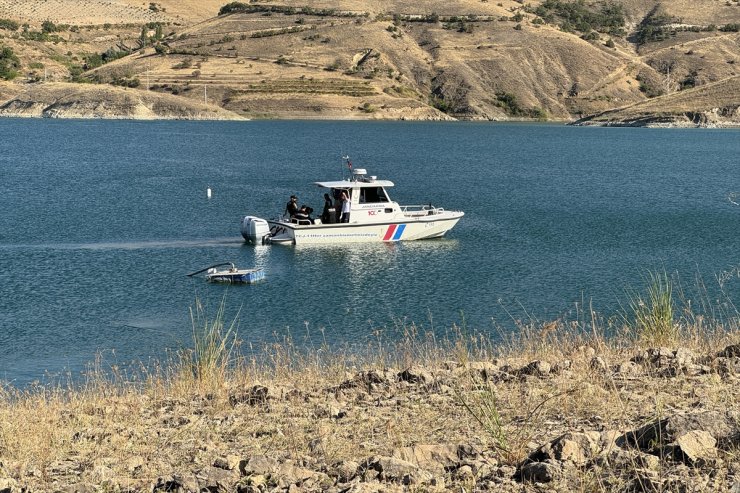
(479, 60)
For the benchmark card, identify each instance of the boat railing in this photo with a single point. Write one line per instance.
(421, 210)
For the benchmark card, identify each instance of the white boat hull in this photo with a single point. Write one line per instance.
(370, 215)
(413, 229)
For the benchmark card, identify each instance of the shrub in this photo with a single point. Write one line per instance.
(48, 27)
(652, 311)
(691, 80)
(592, 36)
(9, 25)
(608, 17)
(214, 347)
(367, 108)
(648, 86)
(509, 103)
(125, 82)
(9, 64)
(186, 63)
(655, 26)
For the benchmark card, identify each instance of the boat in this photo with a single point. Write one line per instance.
(373, 217)
(231, 275)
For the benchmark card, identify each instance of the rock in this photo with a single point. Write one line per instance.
(174, 483)
(221, 463)
(8, 485)
(597, 363)
(344, 471)
(629, 369)
(540, 472)
(368, 380)
(371, 488)
(416, 374)
(78, 488)
(656, 357)
(217, 480)
(626, 462)
(434, 458)
(659, 436)
(254, 396)
(399, 471)
(727, 366)
(732, 351)
(562, 366)
(290, 473)
(577, 448)
(258, 465)
(465, 474)
(536, 368)
(330, 411)
(683, 357)
(486, 369)
(695, 446)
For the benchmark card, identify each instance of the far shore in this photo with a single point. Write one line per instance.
(649, 122)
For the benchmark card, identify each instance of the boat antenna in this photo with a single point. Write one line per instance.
(349, 166)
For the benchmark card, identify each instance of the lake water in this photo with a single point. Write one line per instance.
(100, 221)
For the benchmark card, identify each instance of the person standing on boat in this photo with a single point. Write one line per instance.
(328, 212)
(346, 204)
(292, 207)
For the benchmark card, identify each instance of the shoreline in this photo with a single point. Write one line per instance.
(575, 123)
(549, 410)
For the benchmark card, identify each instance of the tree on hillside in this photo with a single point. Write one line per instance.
(9, 64)
(656, 26)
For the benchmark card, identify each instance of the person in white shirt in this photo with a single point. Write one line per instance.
(346, 204)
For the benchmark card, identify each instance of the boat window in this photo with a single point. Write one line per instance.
(372, 195)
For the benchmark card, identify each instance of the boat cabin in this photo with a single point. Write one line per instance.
(368, 196)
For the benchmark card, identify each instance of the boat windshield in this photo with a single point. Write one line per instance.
(373, 195)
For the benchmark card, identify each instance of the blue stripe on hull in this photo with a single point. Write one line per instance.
(399, 232)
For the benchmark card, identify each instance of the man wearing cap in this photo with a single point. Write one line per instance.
(292, 207)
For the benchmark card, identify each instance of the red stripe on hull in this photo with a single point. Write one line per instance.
(389, 233)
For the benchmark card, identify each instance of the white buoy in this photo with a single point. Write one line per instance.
(208, 192)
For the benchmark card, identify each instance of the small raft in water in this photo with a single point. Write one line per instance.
(231, 275)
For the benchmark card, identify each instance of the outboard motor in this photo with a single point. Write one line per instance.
(255, 230)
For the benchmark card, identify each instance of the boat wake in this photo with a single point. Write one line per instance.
(134, 245)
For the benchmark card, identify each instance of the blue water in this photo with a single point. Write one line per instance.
(100, 221)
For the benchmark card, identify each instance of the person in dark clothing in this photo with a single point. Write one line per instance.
(328, 214)
(304, 214)
(292, 207)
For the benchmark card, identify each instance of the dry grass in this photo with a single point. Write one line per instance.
(125, 431)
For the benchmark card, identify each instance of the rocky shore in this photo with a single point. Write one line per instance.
(551, 416)
(66, 100)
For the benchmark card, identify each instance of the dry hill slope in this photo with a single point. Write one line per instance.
(391, 59)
